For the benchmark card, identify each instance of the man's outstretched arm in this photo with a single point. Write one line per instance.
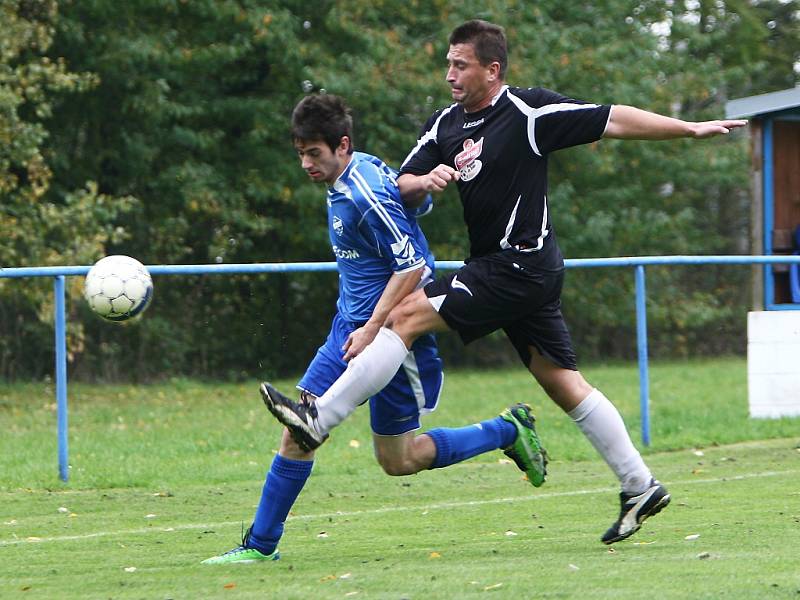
(630, 123)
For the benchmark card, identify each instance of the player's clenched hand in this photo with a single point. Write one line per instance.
(358, 340)
(438, 179)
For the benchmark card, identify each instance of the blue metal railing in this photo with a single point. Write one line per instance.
(638, 262)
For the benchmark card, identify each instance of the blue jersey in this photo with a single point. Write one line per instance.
(372, 234)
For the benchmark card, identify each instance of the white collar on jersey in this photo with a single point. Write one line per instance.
(500, 93)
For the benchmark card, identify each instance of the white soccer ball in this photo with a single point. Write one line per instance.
(118, 287)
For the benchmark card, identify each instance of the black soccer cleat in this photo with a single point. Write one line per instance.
(635, 509)
(298, 417)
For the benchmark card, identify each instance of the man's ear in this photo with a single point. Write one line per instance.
(494, 71)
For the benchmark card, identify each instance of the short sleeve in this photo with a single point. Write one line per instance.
(386, 223)
(426, 155)
(556, 121)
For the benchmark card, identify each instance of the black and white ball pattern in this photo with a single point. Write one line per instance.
(118, 287)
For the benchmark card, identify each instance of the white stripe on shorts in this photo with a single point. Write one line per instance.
(412, 372)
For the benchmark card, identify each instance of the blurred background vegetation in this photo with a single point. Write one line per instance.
(159, 129)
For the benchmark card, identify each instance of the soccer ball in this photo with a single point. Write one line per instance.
(118, 287)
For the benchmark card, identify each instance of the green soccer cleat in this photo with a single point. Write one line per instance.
(241, 555)
(526, 451)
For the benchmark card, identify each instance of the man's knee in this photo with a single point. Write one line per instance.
(411, 317)
(402, 315)
(565, 387)
(397, 457)
(405, 455)
(397, 466)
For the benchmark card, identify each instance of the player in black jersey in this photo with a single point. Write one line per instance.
(493, 143)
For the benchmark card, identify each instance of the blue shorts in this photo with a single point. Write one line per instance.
(396, 409)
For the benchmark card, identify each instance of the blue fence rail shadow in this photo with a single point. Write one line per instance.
(638, 263)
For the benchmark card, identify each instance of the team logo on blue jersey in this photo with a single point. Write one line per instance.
(338, 226)
(404, 251)
(467, 161)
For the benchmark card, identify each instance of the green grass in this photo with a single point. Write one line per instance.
(163, 476)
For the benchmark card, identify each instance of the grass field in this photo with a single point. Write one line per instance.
(164, 476)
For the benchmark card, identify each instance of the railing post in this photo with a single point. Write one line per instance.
(768, 208)
(61, 377)
(641, 343)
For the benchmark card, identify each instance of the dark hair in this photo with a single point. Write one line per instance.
(488, 39)
(322, 117)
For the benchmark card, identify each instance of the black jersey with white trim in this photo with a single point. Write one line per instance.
(501, 154)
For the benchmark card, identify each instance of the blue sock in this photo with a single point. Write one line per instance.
(455, 445)
(285, 480)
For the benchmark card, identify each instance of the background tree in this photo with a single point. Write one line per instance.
(38, 226)
(181, 118)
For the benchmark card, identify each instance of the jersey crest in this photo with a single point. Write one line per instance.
(467, 161)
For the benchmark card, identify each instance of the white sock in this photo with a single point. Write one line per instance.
(366, 375)
(602, 424)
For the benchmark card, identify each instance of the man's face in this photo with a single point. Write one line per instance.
(471, 83)
(320, 162)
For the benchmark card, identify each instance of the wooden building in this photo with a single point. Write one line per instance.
(775, 142)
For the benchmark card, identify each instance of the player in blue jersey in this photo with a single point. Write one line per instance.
(382, 256)
(492, 143)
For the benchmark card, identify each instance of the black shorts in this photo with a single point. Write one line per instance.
(504, 291)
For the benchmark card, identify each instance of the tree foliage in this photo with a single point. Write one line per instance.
(159, 129)
(38, 227)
